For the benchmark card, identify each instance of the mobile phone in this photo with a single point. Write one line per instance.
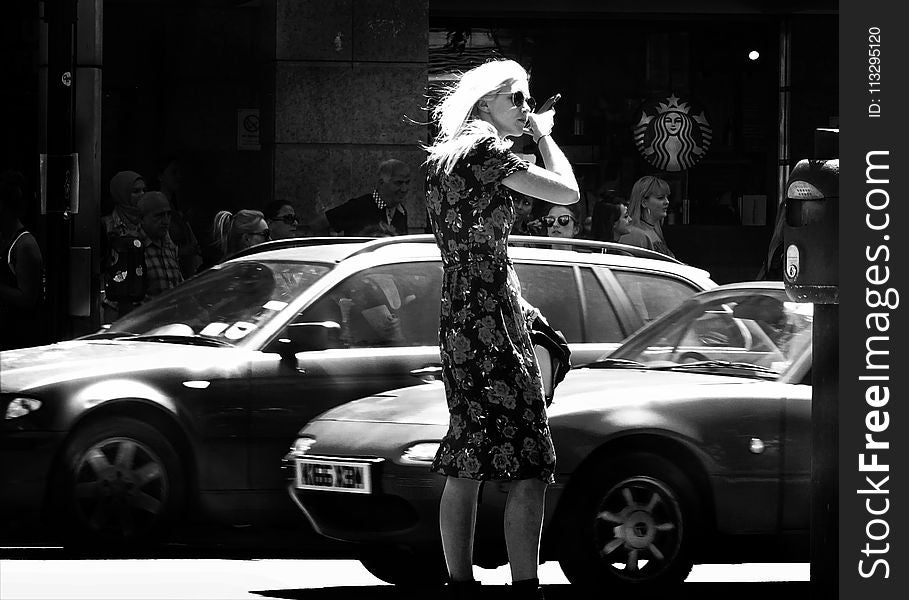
(550, 103)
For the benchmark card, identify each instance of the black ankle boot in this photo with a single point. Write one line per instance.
(527, 589)
(463, 590)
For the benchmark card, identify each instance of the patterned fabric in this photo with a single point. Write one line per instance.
(116, 226)
(498, 428)
(162, 264)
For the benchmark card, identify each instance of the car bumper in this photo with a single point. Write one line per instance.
(402, 508)
(26, 458)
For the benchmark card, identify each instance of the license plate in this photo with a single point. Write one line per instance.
(334, 475)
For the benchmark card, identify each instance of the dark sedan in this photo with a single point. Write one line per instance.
(689, 443)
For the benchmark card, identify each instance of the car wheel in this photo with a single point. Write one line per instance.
(405, 566)
(120, 483)
(633, 521)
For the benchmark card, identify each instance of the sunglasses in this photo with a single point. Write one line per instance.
(523, 201)
(563, 220)
(518, 99)
(286, 219)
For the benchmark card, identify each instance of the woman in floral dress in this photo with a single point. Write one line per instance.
(498, 428)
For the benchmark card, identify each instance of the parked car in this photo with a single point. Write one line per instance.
(186, 405)
(689, 443)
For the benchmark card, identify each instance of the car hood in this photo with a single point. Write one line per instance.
(39, 366)
(582, 390)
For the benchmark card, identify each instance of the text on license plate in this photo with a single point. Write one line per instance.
(334, 475)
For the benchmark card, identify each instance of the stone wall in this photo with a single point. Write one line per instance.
(348, 80)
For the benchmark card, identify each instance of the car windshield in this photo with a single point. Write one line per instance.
(756, 333)
(223, 304)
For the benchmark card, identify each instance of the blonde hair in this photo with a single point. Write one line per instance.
(228, 229)
(457, 117)
(648, 185)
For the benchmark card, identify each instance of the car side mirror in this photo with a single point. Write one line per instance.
(302, 337)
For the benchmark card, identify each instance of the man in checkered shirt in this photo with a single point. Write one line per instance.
(162, 265)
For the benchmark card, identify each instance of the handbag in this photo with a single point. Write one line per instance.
(542, 333)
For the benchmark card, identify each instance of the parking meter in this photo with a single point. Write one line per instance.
(810, 232)
(811, 274)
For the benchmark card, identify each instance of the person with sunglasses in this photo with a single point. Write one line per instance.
(562, 222)
(234, 232)
(282, 219)
(498, 429)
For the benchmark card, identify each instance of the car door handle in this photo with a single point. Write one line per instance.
(429, 373)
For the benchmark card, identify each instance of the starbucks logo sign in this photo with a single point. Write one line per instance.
(671, 135)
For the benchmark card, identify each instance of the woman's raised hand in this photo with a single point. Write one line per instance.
(540, 124)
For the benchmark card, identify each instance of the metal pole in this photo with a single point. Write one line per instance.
(824, 450)
(60, 169)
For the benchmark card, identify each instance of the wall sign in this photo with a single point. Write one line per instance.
(248, 129)
(670, 135)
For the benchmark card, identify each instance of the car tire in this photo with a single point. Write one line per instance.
(634, 520)
(120, 484)
(405, 567)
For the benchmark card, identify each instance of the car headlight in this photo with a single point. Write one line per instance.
(302, 445)
(422, 452)
(19, 407)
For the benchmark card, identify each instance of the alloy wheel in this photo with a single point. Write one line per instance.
(120, 487)
(639, 529)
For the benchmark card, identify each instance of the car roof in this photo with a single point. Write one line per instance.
(423, 247)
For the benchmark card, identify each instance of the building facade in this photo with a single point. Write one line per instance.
(299, 100)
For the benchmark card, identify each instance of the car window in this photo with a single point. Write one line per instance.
(602, 321)
(388, 305)
(226, 303)
(553, 290)
(652, 294)
(763, 329)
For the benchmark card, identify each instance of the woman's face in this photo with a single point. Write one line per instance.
(505, 115)
(259, 234)
(673, 123)
(136, 192)
(284, 224)
(171, 177)
(657, 204)
(563, 225)
(523, 206)
(621, 226)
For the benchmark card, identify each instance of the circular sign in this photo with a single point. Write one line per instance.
(671, 135)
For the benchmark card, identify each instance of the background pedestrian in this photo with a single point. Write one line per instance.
(647, 206)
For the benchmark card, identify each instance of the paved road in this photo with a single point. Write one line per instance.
(219, 579)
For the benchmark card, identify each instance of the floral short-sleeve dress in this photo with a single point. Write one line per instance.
(498, 428)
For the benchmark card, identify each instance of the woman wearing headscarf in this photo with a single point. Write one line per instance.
(126, 187)
(122, 270)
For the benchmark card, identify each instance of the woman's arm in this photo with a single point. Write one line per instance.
(556, 182)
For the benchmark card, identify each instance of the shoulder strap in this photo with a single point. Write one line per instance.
(9, 254)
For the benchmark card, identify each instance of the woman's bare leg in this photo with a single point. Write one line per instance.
(457, 520)
(523, 526)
